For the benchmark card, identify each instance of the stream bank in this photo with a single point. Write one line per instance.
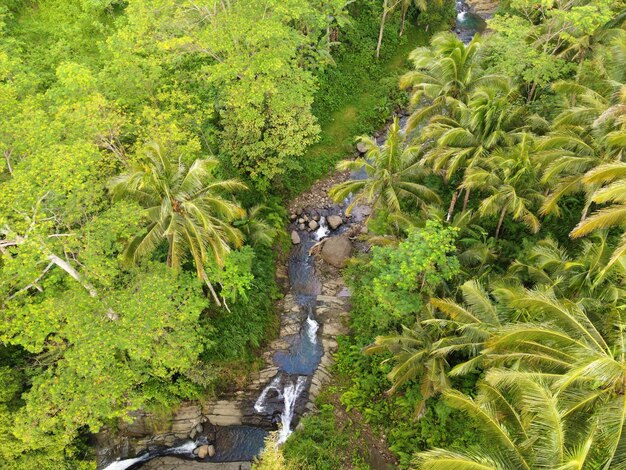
(227, 433)
(231, 430)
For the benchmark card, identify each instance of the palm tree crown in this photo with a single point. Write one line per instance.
(392, 170)
(184, 206)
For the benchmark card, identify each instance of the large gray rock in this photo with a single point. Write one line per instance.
(313, 225)
(337, 250)
(295, 238)
(334, 221)
(361, 147)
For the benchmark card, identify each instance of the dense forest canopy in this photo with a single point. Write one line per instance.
(149, 149)
(131, 132)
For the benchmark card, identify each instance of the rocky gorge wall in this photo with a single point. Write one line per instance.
(484, 8)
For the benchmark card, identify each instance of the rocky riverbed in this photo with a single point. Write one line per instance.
(312, 314)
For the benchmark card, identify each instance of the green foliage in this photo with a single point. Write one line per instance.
(320, 443)
(403, 275)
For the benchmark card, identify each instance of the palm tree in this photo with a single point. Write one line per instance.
(585, 134)
(511, 179)
(443, 329)
(393, 171)
(414, 356)
(185, 207)
(585, 276)
(457, 142)
(445, 73)
(578, 351)
(526, 425)
(255, 229)
(613, 176)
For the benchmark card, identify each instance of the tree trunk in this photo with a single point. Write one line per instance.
(502, 214)
(7, 157)
(382, 29)
(455, 195)
(531, 93)
(404, 10)
(466, 199)
(67, 267)
(215, 297)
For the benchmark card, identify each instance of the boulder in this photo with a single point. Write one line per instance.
(211, 450)
(202, 451)
(334, 221)
(313, 225)
(336, 251)
(295, 238)
(361, 148)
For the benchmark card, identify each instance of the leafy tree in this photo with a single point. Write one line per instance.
(185, 207)
(446, 72)
(264, 95)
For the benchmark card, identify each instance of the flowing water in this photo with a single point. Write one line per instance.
(467, 22)
(284, 393)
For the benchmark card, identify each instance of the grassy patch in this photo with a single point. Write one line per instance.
(356, 96)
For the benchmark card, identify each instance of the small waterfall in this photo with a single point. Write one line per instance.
(184, 449)
(259, 405)
(311, 329)
(291, 393)
(322, 230)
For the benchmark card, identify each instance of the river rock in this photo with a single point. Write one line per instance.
(334, 221)
(300, 220)
(295, 238)
(336, 251)
(301, 226)
(361, 147)
(203, 451)
(211, 450)
(313, 225)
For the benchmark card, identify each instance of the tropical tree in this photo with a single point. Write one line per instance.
(457, 142)
(585, 276)
(584, 135)
(255, 229)
(526, 425)
(445, 331)
(446, 72)
(511, 179)
(186, 207)
(392, 173)
(613, 177)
